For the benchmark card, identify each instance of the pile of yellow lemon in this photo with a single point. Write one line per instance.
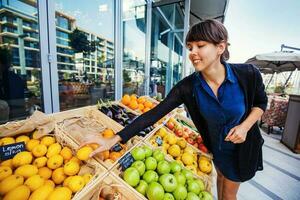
(45, 171)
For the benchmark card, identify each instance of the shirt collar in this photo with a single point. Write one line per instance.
(229, 73)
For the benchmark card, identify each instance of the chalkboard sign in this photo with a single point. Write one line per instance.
(117, 147)
(158, 141)
(10, 150)
(126, 161)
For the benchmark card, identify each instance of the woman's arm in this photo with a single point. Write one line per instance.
(173, 100)
(238, 133)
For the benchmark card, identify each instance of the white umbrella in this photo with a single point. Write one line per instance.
(279, 61)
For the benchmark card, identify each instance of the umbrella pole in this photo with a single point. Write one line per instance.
(287, 80)
(270, 81)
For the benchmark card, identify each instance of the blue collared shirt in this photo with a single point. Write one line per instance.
(222, 112)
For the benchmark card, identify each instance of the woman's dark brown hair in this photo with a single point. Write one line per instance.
(211, 31)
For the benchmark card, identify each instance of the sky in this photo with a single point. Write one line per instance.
(261, 26)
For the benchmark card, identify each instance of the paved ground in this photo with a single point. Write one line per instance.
(280, 178)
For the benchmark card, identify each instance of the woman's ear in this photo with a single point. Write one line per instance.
(221, 47)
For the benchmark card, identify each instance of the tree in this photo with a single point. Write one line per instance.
(79, 41)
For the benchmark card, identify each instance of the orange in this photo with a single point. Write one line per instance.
(133, 104)
(125, 99)
(146, 110)
(141, 107)
(105, 154)
(108, 133)
(141, 100)
(115, 155)
(133, 97)
(148, 104)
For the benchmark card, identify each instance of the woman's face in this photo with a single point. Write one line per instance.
(203, 54)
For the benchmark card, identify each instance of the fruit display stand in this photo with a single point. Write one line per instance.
(108, 186)
(178, 149)
(47, 166)
(105, 126)
(133, 160)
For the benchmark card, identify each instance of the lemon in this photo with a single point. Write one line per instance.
(31, 144)
(67, 181)
(39, 150)
(60, 193)
(26, 170)
(22, 138)
(53, 149)
(76, 183)
(58, 175)
(7, 140)
(45, 172)
(66, 153)
(21, 192)
(34, 182)
(187, 158)
(71, 168)
(48, 140)
(5, 171)
(7, 163)
(50, 183)
(84, 153)
(87, 177)
(40, 162)
(10, 183)
(174, 150)
(55, 161)
(75, 159)
(41, 193)
(22, 158)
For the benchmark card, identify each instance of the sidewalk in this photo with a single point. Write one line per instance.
(280, 178)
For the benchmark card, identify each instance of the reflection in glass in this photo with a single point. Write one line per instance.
(20, 89)
(85, 51)
(134, 26)
(166, 48)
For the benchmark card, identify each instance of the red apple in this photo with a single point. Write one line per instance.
(199, 139)
(170, 125)
(179, 132)
(190, 140)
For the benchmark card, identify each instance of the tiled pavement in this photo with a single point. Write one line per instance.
(280, 178)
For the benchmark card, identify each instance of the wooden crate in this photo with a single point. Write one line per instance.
(97, 170)
(93, 192)
(117, 171)
(196, 150)
(106, 122)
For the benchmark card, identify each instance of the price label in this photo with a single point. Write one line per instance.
(158, 141)
(126, 161)
(10, 150)
(117, 147)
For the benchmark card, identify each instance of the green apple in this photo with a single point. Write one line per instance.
(175, 167)
(187, 173)
(193, 186)
(140, 166)
(148, 151)
(131, 176)
(192, 196)
(168, 196)
(138, 153)
(204, 195)
(163, 167)
(151, 163)
(201, 184)
(158, 155)
(180, 178)
(169, 182)
(180, 193)
(155, 191)
(142, 187)
(150, 176)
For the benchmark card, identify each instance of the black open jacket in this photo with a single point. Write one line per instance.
(250, 151)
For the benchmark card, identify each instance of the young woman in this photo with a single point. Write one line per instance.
(224, 101)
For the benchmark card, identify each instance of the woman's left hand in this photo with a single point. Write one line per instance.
(237, 134)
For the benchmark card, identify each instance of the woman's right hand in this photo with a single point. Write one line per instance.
(104, 143)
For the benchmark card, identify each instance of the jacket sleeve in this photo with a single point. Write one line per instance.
(260, 96)
(173, 100)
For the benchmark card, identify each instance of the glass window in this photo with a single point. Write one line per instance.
(166, 48)
(134, 25)
(84, 32)
(20, 78)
